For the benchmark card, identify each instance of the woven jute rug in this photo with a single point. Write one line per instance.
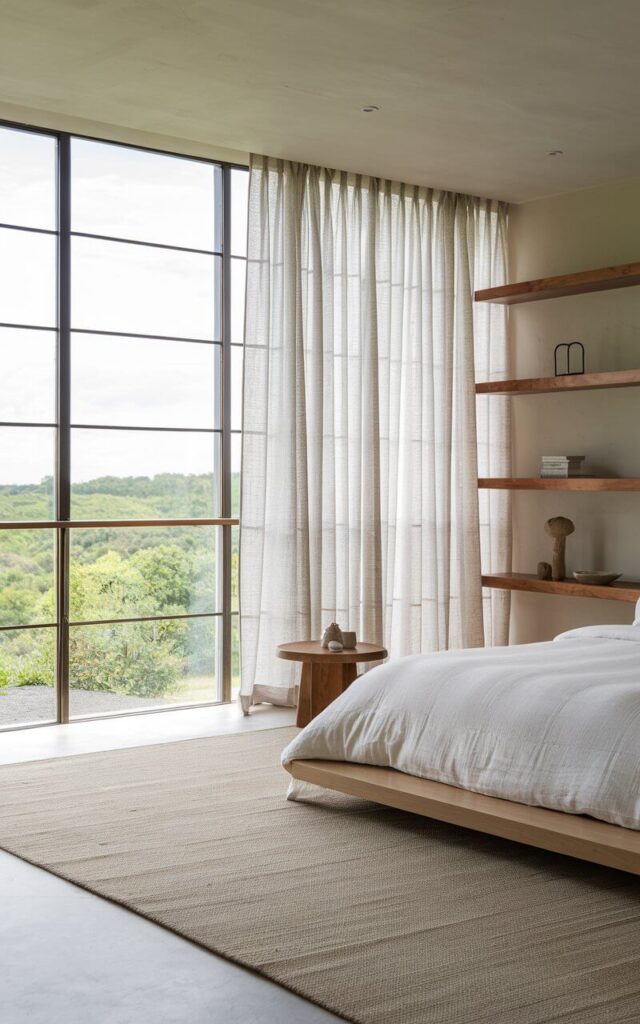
(381, 916)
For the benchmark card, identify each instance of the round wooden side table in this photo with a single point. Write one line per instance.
(325, 675)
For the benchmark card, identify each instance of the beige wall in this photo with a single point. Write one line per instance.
(578, 231)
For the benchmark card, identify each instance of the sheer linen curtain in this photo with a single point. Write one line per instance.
(359, 460)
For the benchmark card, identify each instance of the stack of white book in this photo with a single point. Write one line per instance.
(562, 465)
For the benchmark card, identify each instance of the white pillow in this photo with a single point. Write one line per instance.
(636, 621)
(631, 633)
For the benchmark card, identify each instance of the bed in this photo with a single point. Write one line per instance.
(538, 743)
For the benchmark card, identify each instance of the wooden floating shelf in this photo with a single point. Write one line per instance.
(571, 483)
(570, 382)
(602, 279)
(622, 590)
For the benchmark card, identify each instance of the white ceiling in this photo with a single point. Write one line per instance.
(473, 93)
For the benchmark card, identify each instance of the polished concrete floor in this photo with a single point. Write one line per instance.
(69, 957)
(40, 742)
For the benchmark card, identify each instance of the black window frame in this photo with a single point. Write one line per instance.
(63, 523)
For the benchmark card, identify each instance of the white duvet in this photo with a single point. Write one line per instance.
(552, 724)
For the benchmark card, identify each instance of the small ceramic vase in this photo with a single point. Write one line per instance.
(332, 632)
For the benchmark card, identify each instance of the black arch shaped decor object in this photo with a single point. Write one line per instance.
(568, 346)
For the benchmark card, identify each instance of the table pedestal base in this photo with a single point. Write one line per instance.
(319, 685)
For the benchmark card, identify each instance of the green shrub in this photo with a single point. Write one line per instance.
(140, 658)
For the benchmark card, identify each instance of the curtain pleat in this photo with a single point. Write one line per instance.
(362, 435)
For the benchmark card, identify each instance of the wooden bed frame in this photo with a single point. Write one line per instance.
(574, 835)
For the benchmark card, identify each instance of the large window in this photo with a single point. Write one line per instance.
(121, 331)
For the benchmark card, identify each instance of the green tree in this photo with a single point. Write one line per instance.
(17, 603)
(169, 573)
(143, 658)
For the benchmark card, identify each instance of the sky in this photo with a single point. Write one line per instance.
(132, 194)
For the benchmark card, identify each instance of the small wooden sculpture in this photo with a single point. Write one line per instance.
(544, 571)
(559, 528)
(332, 632)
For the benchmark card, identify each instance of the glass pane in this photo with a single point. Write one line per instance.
(144, 382)
(117, 573)
(235, 568)
(27, 179)
(28, 376)
(236, 462)
(134, 665)
(132, 193)
(239, 210)
(27, 677)
(28, 276)
(137, 290)
(238, 285)
(27, 591)
(235, 655)
(26, 472)
(237, 359)
(139, 474)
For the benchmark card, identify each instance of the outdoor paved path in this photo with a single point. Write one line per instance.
(27, 704)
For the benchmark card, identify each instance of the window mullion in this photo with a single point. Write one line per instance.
(226, 433)
(63, 404)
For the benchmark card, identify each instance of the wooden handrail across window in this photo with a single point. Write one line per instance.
(83, 524)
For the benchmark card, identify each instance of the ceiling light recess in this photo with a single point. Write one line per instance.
(371, 109)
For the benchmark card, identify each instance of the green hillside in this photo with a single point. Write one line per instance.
(175, 495)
